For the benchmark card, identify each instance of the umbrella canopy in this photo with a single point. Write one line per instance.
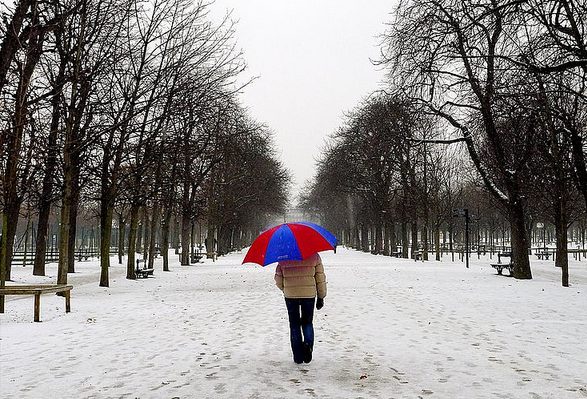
(290, 241)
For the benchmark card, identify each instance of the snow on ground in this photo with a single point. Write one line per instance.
(390, 328)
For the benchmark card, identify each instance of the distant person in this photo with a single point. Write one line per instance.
(301, 281)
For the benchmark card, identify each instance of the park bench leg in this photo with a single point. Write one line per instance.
(37, 306)
(67, 302)
(1, 303)
(499, 271)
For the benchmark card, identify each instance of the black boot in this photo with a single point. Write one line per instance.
(307, 353)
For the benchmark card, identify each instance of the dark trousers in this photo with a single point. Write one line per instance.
(301, 313)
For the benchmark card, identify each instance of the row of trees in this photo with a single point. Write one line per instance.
(370, 174)
(504, 81)
(127, 109)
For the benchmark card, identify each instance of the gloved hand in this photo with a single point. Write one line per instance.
(319, 303)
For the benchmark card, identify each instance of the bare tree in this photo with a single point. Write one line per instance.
(126, 106)
(449, 56)
(16, 174)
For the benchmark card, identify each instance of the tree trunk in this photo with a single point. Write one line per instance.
(387, 243)
(185, 237)
(192, 238)
(425, 207)
(364, 238)
(140, 231)
(414, 238)
(73, 229)
(561, 259)
(165, 239)
(8, 231)
(121, 237)
(41, 239)
(176, 232)
(519, 242)
(392, 237)
(68, 201)
(154, 230)
(437, 241)
(132, 242)
(404, 233)
(146, 232)
(239, 238)
(64, 235)
(425, 239)
(26, 236)
(211, 242)
(106, 215)
(378, 238)
(223, 238)
(451, 235)
(47, 192)
(71, 190)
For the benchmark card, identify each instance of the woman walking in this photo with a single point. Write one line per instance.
(301, 282)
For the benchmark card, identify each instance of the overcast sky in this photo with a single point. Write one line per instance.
(313, 63)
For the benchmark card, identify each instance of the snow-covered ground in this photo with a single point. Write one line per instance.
(390, 328)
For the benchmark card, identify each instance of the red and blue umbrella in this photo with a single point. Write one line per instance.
(290, 241)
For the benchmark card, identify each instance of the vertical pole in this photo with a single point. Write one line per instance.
(37, 306)
(467, 238)
(67, 301)
(192, 242)
(26, 240)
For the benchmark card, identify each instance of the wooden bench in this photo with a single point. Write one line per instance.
(36, 290)
(144, 271)
(397, 254)
(417, 255)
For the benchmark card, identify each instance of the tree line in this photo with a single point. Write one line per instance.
(128, 110)
(486, 97)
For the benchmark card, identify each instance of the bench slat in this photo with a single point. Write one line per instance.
(36, 285)
(31, 289)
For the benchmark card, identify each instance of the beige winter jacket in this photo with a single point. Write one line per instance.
(301, 278)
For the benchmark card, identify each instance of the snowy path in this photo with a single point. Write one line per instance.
(390, 328)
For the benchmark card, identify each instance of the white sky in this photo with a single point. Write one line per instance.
(312, 59)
